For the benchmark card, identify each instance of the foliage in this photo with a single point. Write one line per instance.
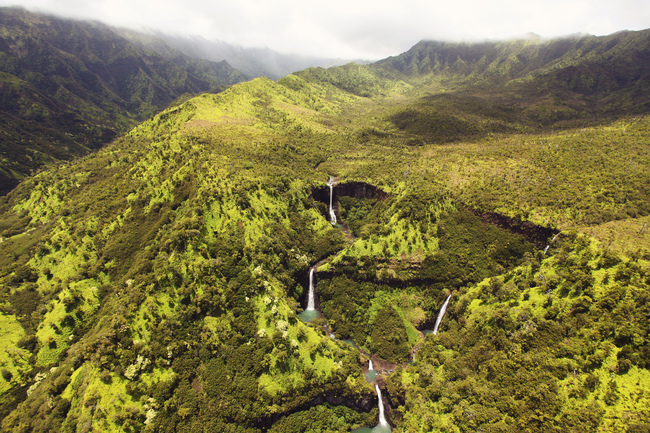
(322, 418)
(388, 339)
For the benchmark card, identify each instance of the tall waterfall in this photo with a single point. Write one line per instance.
(441, 314)
(330, 183)
(370, 366)
(382, 418)
(310, 296)
(310, 312)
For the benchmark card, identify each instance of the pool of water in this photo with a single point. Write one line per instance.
(377, 429)
(371, 376)
(308, 315)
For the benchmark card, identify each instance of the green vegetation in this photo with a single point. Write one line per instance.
(322, 418)
(156, 284)
(544, 344)
(68, 87)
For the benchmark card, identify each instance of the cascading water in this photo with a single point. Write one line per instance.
(310, 297)
(383, 426)
(382, 418)
(371, 374)
(441, 314)
(310, 312)
(330, 183)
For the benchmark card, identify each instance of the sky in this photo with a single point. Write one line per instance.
(356, 29)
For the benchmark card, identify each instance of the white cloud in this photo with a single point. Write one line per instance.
(357, 29)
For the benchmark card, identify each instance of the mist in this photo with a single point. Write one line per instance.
(354, 29)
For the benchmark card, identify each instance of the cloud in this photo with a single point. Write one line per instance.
(353, 28)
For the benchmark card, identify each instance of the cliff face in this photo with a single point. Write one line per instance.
(349, 189)
(538, 235)
(360, 190)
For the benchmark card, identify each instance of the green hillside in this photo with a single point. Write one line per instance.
(156, 285)
(68, 87)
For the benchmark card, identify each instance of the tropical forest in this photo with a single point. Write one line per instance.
(454, 239)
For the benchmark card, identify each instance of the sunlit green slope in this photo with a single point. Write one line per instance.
(155, 285)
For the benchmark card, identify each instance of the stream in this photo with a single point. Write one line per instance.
(383, 426)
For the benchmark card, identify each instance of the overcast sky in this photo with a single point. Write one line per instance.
(357, 29)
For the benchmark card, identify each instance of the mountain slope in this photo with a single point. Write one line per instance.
(85, 80)
(521, 85)
(621, 54)
(156, 284)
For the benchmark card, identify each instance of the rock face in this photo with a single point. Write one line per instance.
(360, 189)
(360, 403)
(535, 234)
(348, 189)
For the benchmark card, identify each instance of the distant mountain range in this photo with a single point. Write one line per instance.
(69, 86)
(254, 62)
(583, 64)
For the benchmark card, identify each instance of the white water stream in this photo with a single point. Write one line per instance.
(310, 312)
(382, 418)
(383, 426)
(330, 183)
(441, 314)
(310, 298)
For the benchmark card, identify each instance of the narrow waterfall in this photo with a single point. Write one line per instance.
(310, 312)
(383, 426)
(371, 374)
(310, 297)
(330, 183)
(441, 314)
(382, 418)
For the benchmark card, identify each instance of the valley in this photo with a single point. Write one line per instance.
(158, 283)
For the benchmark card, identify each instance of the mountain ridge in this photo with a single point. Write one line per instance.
(542, 52)
(83, 78)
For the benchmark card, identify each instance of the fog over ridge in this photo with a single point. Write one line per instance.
(357, 29)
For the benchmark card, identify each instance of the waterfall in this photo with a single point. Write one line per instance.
(441, 314)
(310, 312)
(382, 418)
(383, 426)
(330, 183)
(310, 296)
